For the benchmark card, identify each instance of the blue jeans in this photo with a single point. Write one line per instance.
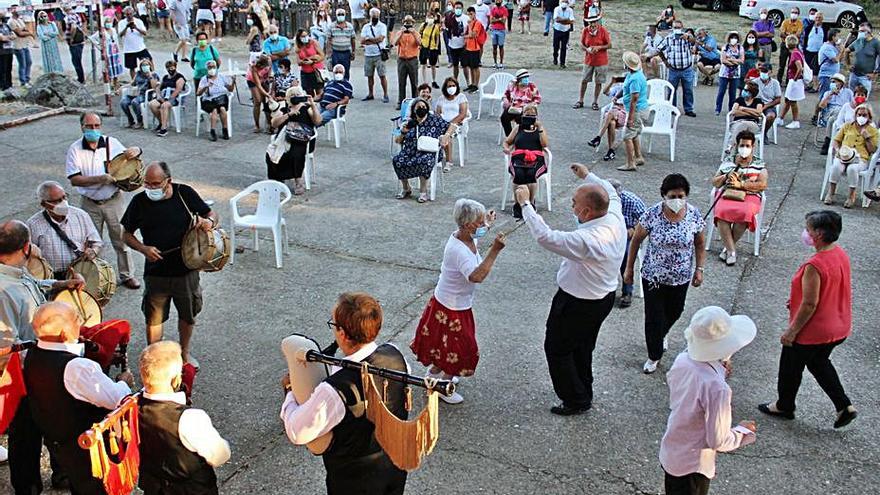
(326, 116)
(132, 103)
(24, 65)
(728, 85)
(824, 85)
(343, 58)
(686, 79)
(855, 80)
(446, 42)
(76, 58)
(548, 16)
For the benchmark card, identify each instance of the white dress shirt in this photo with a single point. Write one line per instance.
(324, 409)
(592, 254)
(78, 226)
(82, 160)
(196, 431)
(84, 380)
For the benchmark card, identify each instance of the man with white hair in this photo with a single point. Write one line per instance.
(67, 392)
(61, 231)
(131, 33)
(342, 42)
(632, 207)
(587, 279)
(179, 446)
(374, 37)
(337, 92)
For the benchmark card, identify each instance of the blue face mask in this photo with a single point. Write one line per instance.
(524, 81)
(92, 135)
(480, 232)
(746, 94)
(457, 11)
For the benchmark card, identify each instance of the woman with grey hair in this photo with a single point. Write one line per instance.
(414, 160)
(820, 319)
(445, 338)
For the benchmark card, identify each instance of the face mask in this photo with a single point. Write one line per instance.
(212, 72)
(92, 135)
(746, 93)
(794, 16)
(524, 81)
(812, 17)
(61, 209)
(733, 41)
(171, 72)
(145, 69)
(668, 11)
(862, 120)
(274, 37)
(859, 100)
(480, 232)
(807, 239)
(303, 39)
(745, 151)
(564, 5)
(528, 121)
(429, 22)
(374, 20)
(765, 76)
(421, 112)
(675, 204)
(763, 17)
(250, 22)
(450, 90)
(155, 194)
(108, 25)
(340, 18)
(458, 12)
(750, 39)
(449, 8)
(338, 76)
(203, 43)
(862, 35)
(676, 32)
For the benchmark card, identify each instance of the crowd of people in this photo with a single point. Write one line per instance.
(620, 239)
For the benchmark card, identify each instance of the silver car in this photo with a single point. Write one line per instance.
(845, 14)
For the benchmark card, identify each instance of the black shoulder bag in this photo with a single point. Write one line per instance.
(62, 235)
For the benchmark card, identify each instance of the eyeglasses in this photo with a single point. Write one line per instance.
(56, 201)
(332, 325)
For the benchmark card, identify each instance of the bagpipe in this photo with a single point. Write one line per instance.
(406, 442)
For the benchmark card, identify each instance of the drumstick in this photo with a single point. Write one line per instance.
(169, 251)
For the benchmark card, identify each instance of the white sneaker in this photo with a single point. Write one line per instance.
(649, 367)
(4, 455)
(665, 344)
(794, 124)
(779, 122)
(723, 255)
(731, 259)
(439, 376)
(455, 398)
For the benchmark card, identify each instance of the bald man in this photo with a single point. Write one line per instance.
(67, 392)
(587, 279)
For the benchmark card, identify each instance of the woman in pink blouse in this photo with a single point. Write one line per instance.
(520, 93)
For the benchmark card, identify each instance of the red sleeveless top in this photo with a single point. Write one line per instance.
(832, 320)
(308, 51)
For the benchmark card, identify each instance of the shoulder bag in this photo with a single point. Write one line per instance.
(298, 131)
(427, 144)
(383, 52)
(63, 235)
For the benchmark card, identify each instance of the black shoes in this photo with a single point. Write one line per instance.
(595, 141)
(213, 135)
(690, 114)
(872, 195)
(563, 410)
(845, 417)
(226, 134)
(626, 300)
(435, 85)
(609, 156)
(517, 211)
(765, 408)
(162, 132)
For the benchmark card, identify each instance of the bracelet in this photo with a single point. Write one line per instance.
(700, 268)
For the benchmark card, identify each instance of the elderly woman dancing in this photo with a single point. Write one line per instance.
(445, 338)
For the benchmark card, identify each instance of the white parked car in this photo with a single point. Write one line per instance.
(845, 14)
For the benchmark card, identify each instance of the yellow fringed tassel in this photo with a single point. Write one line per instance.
(126, 432)
(114, 445)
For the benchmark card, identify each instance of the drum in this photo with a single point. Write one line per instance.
(37, 266)
(304, 377)
(100, 278)
(205, 251)
(86, 305)
(128, 172)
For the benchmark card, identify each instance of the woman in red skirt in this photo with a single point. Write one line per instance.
(445, 339)
(746, 177)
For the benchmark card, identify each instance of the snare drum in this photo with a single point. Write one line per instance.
(100, 278)
(205, 251)
(37, 266)
(86, 305)
(128, 172)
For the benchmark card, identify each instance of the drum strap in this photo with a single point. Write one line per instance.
(62, 235)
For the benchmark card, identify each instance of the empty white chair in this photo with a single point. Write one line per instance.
(664, 123)
(829, 163)
(175, 110)
(758, 135)
(759, 224)
(200, 115)
(660, 91)
(436, 176)
(271, 197)
(868, 178)
(461, 137)
(336, 128)
(500, 80)
(546, 180)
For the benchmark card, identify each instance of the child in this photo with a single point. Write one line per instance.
(525, 8)
(114, 59)
(614, 118)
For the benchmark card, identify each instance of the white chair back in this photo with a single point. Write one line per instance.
(659, 91)
(502, 80)
(664, 116)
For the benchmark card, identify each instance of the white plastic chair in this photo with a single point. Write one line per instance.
(461, 138)
(546, 180)
(660, 91)
(436, 176)
(665, 123)
(758, 135)
(501, 80)
(773, 131)
(338, 126)
(310, 170)
(175, 110)
(829, 163)
(637, 269)
(272, 196)
(759, 224)
(202, 115)
(868, 178)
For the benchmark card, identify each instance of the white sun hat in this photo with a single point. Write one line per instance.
(713, 334)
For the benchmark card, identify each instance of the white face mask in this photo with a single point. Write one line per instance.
(794, 16)
(564, 5)
(812, 17)
(61, 209)
(763, 16)
(675, 204)
(733, 41)
(744, 151)
(750, 39)
(338, 76)
(212, 72)
(862, 120)
(155, 194)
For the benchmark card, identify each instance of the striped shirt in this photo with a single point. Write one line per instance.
(340, 37)
(77, 225)
(335, 91)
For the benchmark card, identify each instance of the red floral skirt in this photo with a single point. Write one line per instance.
(446, 339)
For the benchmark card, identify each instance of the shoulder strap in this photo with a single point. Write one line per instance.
(192, 218)
(214, 54)
(62, 235)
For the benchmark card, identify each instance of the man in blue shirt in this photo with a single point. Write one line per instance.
(709, 62)
(635, 101)
(276, 47)
(337, 92)
(633, 207)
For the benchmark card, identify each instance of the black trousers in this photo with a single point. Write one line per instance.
(375, 475)
(507, 120)
(782, 72)
(560, 45)
(663, 307)
(25, 447)
(5, 71)
(572, 329)
(817, 359)
(691, 484)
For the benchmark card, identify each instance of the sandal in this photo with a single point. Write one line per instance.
(447, 167)
(423, 198)
(595, 106)
(404, 194)
(848, 204)
(579, 104)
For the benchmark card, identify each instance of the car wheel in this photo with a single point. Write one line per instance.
(775, 17)
(847, 20)
(716, 5)
(688, 4)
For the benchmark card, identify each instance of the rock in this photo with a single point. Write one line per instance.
(56, 90)
(10, 94)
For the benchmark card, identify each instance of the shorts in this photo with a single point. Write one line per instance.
(498, 36)
(310, 83)
(429, 57)
(770, 110)
(131, 59)
(374, 64)
(527, 175)
(204, 16)
(218, 16)
(182, 31)
(162, 14)
(209, 105)
(709, 61)
(471, 59)
(159, 292)
(524, 12)
(638, 124)
(455, 56)
(597, 74)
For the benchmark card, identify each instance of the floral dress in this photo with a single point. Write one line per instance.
(411, 162)
(114, 60)
(48, 34)
(727, 71)
(669, 256)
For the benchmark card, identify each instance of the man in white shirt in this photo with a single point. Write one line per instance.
(131, 33)
(482, 8)
(67, 392)
(355, 461)
(357, 12)
(374, 37)
(86, 168)
(179, 446)
(587, 280)
(456, 23)
(563, 22)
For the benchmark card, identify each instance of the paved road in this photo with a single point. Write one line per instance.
(349, 233)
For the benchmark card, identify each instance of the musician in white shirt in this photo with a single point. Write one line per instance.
(587, 280)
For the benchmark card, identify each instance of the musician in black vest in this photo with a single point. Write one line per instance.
(163, 212)
(179, 446)
(355, 462)
(67, 392)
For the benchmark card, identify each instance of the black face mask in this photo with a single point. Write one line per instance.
(421, 112)
(374, 20)
(528, 121)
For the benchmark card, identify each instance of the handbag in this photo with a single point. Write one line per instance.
(427, 144)
(734, 194)
(299, 132)
(383, 52)
(278, 146)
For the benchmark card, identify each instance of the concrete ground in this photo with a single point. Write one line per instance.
(349, 233)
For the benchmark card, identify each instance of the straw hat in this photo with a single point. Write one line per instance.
(846, 154)
(631, 60)
(713, 334)
(594, 18)
(521, 74)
